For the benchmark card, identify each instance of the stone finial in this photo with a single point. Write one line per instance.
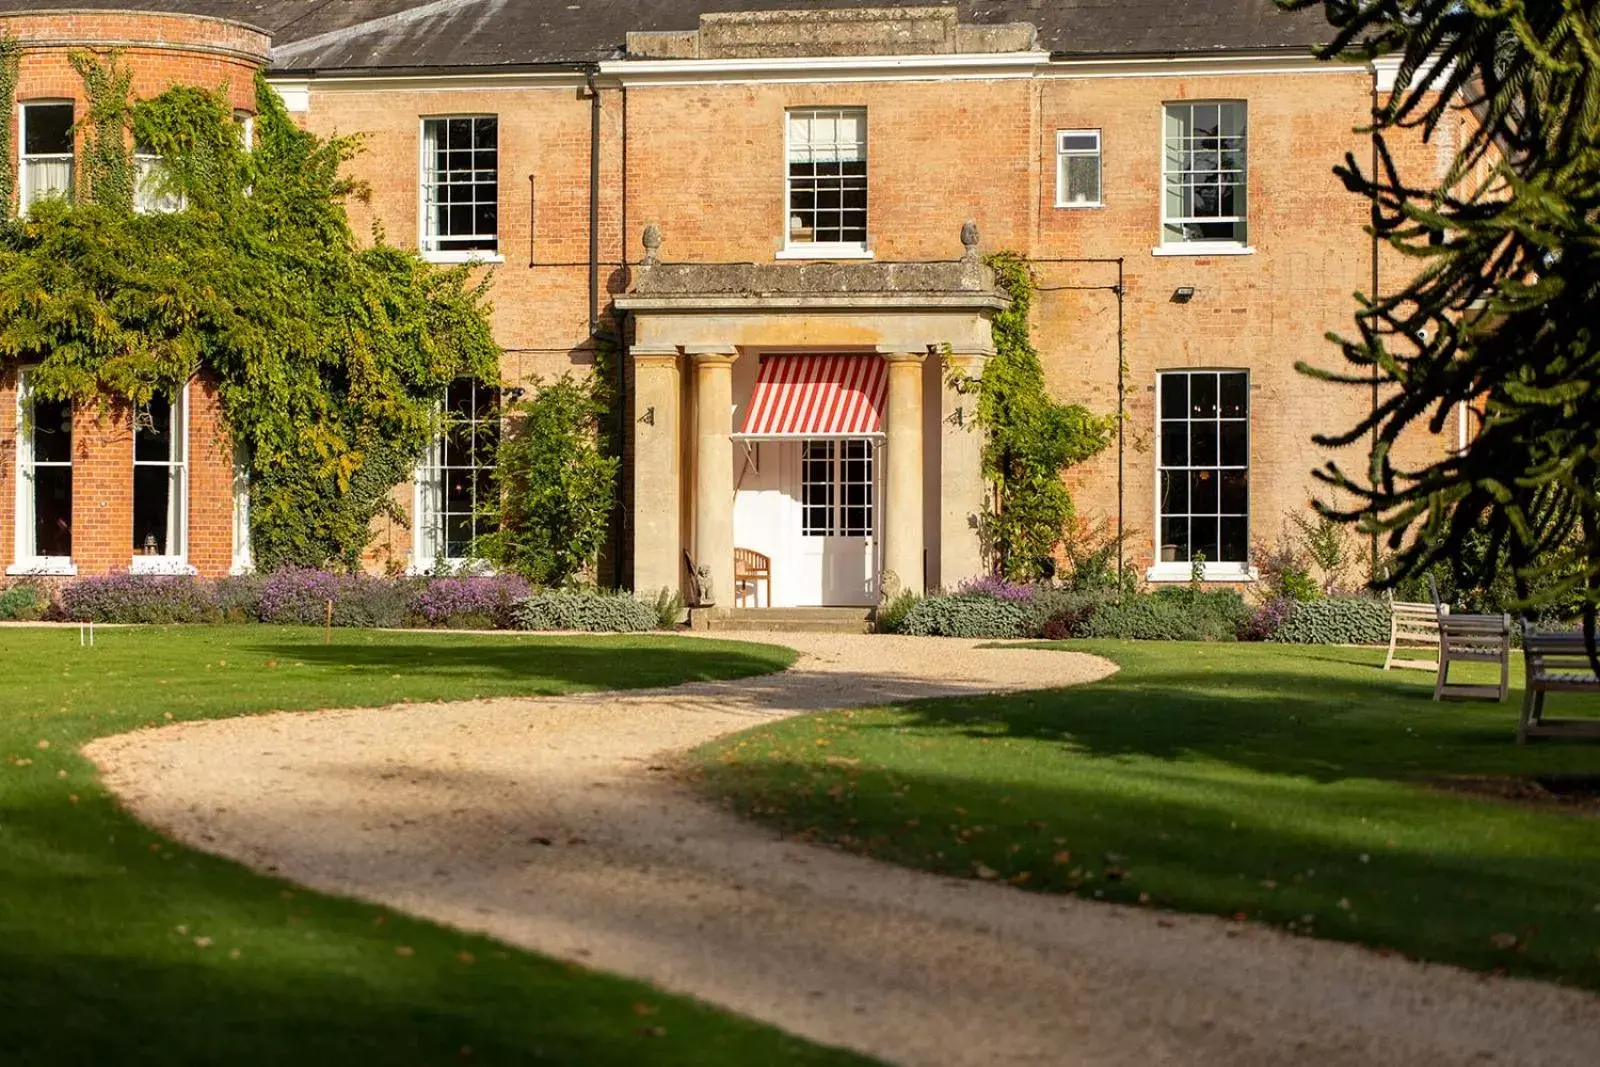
(652, 244)
(969, 239)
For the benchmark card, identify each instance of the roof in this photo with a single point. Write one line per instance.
(332, 35)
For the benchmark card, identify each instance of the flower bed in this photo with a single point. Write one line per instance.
(299, 597)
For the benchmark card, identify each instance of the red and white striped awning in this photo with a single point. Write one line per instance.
(817, 396)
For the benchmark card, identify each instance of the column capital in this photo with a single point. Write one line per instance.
(968, 360)
(654, 355)
(711, 355)
(893, 358)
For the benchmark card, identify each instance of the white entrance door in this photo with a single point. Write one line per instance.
(837, 542)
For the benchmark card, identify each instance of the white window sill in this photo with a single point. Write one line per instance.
(1078, 205)
(160, 565)
(241, 569)
(1214, 572)
(1203, 248)
(450, 568)
(43, 568)
(475, 256)
(824, 252)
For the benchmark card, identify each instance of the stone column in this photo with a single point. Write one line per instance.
(902, 509)
(657, 529)
(961, 484)
(713, 466)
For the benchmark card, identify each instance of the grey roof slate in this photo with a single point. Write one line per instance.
(328, 35)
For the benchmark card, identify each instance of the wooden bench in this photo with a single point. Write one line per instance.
(1556, 662)
(1473, 639)
(750, 568)
(1415, 627)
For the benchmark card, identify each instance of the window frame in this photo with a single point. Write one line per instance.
(424, 558)
(243, 561)
(826, 249)
(836, 460)
(436, 254)
(147, 166)
(178, 474)
(25, 557)
(1098, 155)
(1215, 570)
(24, 157)
(1234, 246)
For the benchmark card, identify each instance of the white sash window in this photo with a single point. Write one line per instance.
(44, 484)
(46, 155)
(160, 485)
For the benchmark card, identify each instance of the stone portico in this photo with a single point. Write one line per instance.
(698, 332)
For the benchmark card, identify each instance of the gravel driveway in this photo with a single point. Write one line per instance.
(551, 824)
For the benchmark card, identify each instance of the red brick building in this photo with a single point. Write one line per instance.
(809, 282)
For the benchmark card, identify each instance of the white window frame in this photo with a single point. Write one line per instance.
(824, 249)
(243, 556)
(151, 167)
(1221, 247)
(429, 550)
(246, 122)
(26, 560)
(177, 472)
(1063, 153)
(1214, 570)
(24, 201)
(427, 243)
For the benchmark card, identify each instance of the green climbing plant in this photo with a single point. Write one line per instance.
(107, 175)
(1030, 438)
(328, 356)
(10, 67)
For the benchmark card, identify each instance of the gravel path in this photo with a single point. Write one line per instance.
(549, 823)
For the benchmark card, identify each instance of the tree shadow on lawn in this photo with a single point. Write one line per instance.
(581, 661)
(1432, 876)
(100, 964)
(1308, 714)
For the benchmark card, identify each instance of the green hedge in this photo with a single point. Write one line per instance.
(1344, 620)
(22, 603)
(965, 616)
(599, 612)
(1170, 615)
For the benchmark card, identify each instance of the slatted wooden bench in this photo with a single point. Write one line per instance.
(1473, 639)
(1556, 662)
(750, 569)
(1413, 628)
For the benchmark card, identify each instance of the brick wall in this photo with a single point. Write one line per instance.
(160, 51)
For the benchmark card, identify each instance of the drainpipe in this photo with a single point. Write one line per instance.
(1122, 420)
(594, 199)
(1373, 443)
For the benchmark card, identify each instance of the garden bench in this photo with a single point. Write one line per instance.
(1416, 627)
(1556, 662)
(1473, 639)
(750, 569)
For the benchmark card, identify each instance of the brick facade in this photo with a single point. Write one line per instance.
(160, 51)
(704, 160)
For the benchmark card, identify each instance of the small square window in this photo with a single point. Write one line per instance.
(1078, 168)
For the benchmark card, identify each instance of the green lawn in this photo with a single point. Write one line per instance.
(1289, 785)
(117, 947)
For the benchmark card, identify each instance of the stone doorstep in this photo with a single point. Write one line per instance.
(782, 620)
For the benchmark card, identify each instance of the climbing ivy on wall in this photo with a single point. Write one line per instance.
(10, 66)
(329, 358)
(106, 176)
(1030, 439)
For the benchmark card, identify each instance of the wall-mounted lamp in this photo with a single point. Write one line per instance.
(958, 417)
(649, 416)
(1183, 294)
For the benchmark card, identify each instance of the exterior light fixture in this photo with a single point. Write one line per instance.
(1183, 294)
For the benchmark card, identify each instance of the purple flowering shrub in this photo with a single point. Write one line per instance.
(1268, 619)
(139, 598)
(997, 588)
(469, 602)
